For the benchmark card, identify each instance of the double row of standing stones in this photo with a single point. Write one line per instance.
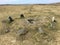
(21, 16)
(22, 32)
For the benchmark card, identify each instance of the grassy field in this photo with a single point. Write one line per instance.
(42, 15)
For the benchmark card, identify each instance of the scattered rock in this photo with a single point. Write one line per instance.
(4, 21)
(7, 31)
(21, 32)
(53, 25)
(40, 30)
(31, 21)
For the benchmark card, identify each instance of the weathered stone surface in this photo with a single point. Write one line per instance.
(21, 32)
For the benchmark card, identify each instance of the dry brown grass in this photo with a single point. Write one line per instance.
(42, 15)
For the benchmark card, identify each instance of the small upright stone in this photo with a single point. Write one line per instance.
(21, 16)
(53, 23)
(10, 19)
(53, 19)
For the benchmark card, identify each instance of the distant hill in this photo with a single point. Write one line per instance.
(55, 3)
(14, 4)
(58, 3)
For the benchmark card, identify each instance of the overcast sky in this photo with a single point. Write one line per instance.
(27, 1)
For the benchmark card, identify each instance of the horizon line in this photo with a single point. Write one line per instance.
(28, 3)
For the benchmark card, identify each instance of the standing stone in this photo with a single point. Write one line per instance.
(53, 23)
(53, 19)
(21, 16)
(10, 19)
